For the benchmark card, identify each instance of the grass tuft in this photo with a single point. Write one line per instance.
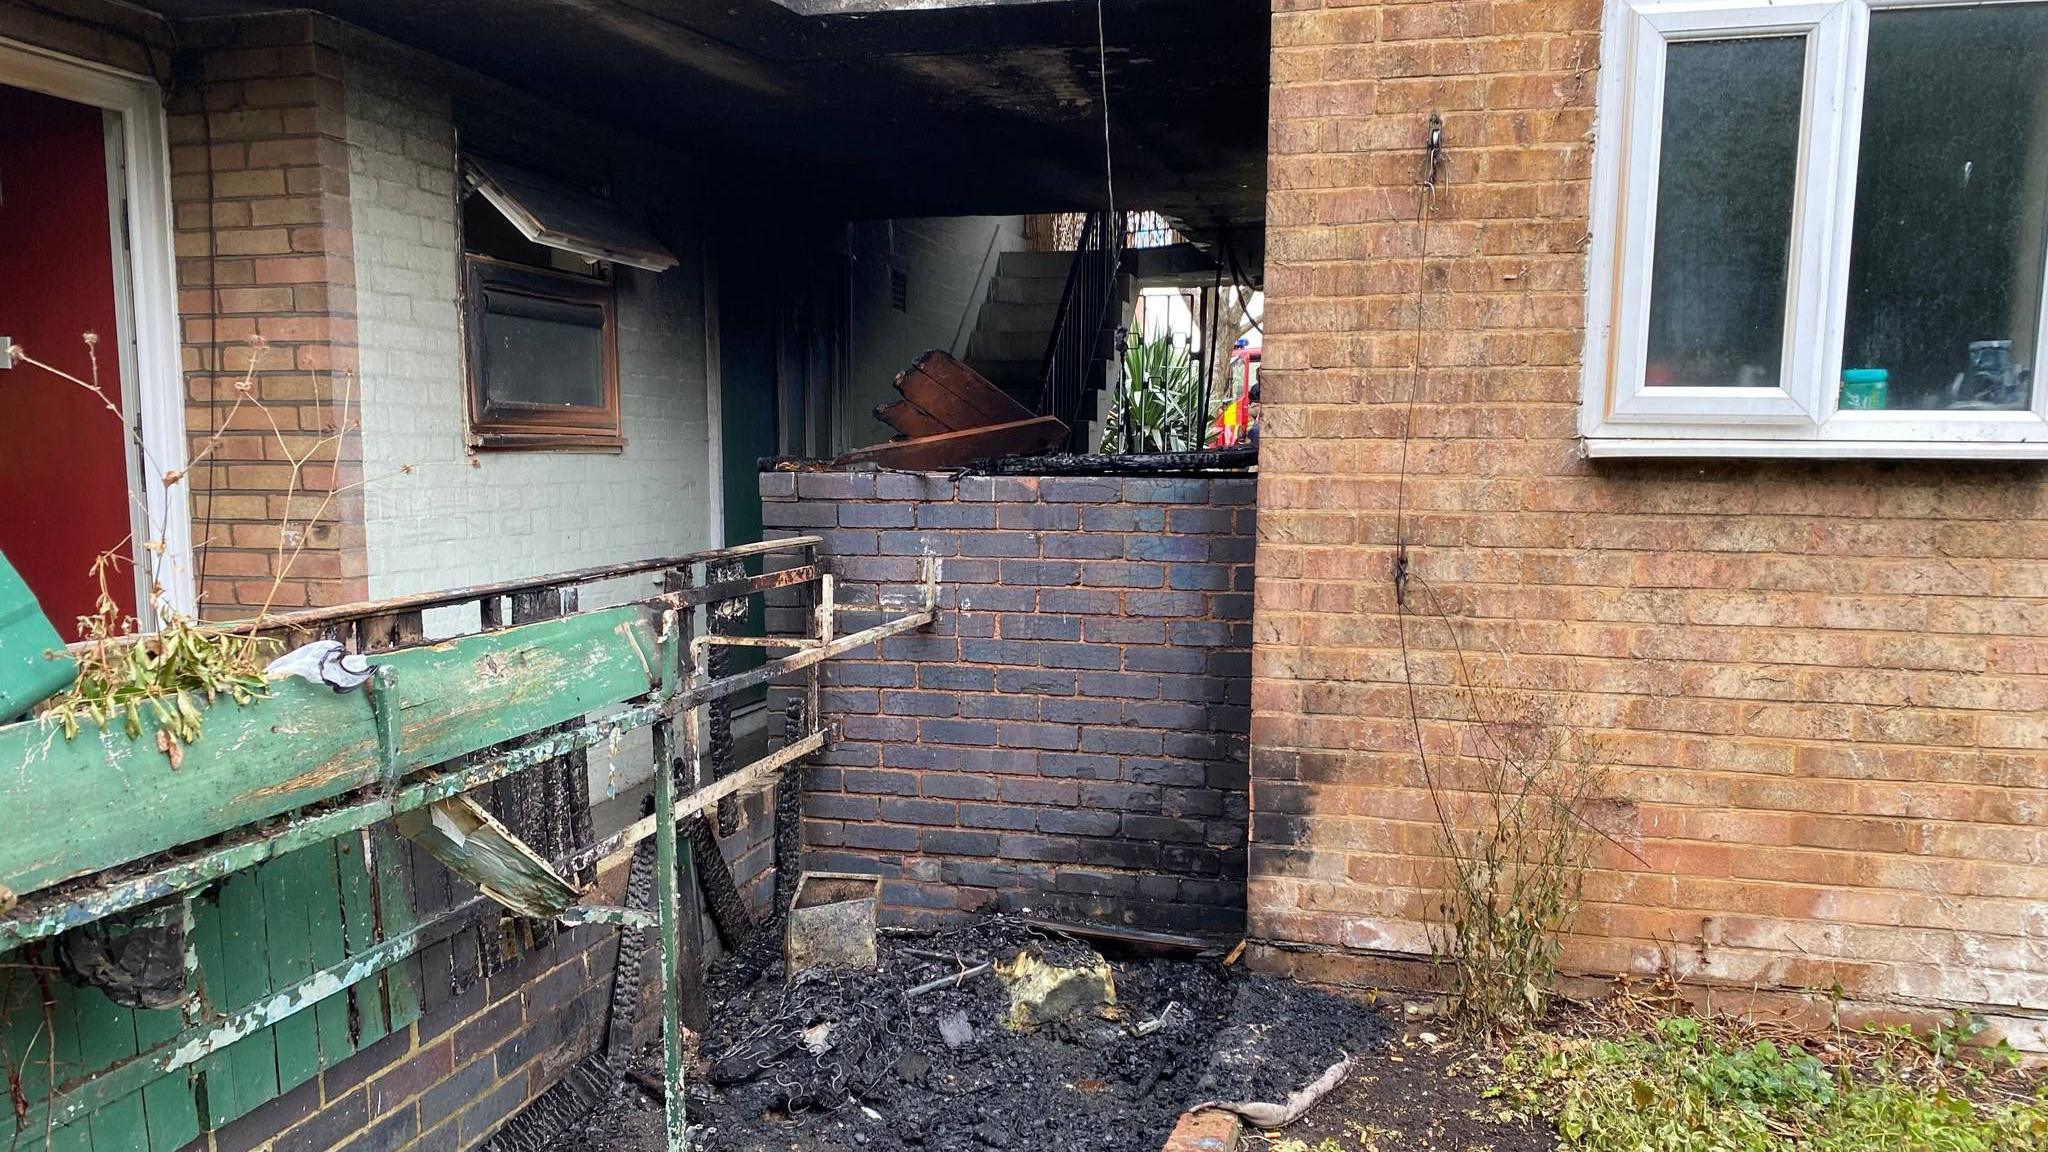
(1693, 1085)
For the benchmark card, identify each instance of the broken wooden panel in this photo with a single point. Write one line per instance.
(475, 846)
(909, 419)
(957, 395)
(253, 934)
(958, 449)
(303, 743)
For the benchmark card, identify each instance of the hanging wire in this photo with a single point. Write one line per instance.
(1102, 72)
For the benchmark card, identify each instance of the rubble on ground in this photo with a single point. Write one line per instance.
(840, 1060)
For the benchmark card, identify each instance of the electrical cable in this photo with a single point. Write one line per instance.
(1432, 168)
(1102, 72)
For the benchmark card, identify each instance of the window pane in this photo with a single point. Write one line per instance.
(542, 352)
(1946, 259)
(1725, 183)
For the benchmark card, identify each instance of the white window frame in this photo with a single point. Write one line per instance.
(1620, 415)
(147, 312)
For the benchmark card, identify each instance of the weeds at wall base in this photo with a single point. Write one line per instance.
(1690, 1084)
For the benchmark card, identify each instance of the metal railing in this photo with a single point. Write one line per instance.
(1071, 372)
(680, 682)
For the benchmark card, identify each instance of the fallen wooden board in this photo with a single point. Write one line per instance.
(909, 419)
(101, 800)
(954, 395)
(958, 449)
(477, 847)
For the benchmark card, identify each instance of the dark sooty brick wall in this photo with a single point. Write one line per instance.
(1070, 738)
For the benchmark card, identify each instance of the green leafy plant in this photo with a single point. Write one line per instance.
(122, 677)
(1694, 1085)
(125, 676)
(1162, 404)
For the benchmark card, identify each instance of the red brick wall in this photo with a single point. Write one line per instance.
(1822, 688)
(259, 185)
(259, 189)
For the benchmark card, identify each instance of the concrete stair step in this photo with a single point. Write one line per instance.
(1009, 373)
(1028, 346)
(1026, 290)
(1018, 316)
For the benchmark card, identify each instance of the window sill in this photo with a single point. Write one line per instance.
(1617, 448)
(544, 441)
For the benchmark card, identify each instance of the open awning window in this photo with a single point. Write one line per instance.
(559, 215)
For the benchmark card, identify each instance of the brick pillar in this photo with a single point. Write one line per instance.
(266, 282)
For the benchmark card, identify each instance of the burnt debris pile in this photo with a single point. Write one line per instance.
(924, 1051)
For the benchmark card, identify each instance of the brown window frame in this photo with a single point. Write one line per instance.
(503, 425)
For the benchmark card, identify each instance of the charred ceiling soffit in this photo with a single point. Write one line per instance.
(954, 109)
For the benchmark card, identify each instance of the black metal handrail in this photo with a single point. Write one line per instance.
(1075, 346)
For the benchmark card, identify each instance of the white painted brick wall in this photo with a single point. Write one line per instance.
(949, 261)
(460, 518)
(437, 516)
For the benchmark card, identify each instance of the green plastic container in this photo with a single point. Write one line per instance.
(1866, 388)
(28, 675)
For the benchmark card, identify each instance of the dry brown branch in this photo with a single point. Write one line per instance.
(122, 674)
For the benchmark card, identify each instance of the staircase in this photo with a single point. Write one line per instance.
(1015, 328)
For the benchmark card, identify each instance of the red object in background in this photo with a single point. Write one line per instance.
(1233, 425)
(63, 464)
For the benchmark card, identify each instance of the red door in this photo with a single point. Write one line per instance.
(63, 465)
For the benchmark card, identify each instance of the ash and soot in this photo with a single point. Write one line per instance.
(840, 1060)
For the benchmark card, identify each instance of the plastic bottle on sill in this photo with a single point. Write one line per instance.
(1866, 388)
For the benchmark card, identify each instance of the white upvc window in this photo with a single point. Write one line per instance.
(1820, 229)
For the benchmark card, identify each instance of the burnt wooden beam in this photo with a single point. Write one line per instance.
(952, 394)
(1135, 464)
(957, 449)
(909, 419)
